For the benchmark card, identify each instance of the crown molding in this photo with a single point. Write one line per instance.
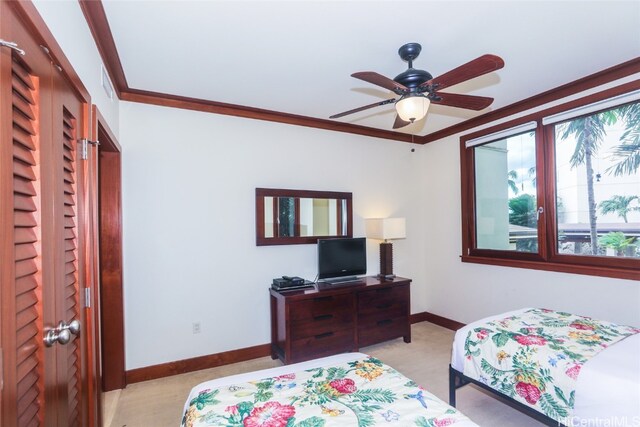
(96, 18)
(175, 101)
(99, 25)
(602, 77)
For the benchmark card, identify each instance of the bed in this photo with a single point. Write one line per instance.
(350, 389)
(557, 367)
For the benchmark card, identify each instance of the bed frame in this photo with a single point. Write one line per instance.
(458, 379)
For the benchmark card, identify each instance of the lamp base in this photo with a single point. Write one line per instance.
(386, 276)
(386, 259)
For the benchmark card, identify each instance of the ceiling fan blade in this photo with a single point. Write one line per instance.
(469, 102)
(399, 123)
(479, 66)
(366, 107)
(380, 80)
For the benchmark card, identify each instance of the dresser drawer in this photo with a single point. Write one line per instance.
(371, 318)
(314, 308)
(323, 344)
(382, 330)
(322, 324)
(393, 299)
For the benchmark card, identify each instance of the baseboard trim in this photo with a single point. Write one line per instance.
(240, 355)
(425, 316)
(197, 363)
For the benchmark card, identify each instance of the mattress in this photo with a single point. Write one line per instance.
(608, 386)
(344, 390)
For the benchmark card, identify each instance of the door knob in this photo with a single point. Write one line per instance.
(56, 335)
(64, 336)
(62, 333)
(73, 326)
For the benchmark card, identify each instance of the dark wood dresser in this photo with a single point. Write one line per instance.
(313, 322)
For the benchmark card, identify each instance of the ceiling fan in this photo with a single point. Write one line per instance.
(417, 88)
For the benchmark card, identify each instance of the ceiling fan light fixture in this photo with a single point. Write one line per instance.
(412, 107)
(417, 88)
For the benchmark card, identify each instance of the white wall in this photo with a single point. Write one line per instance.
(70, 29)
(189, 221)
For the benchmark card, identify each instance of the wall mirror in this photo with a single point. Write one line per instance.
(291, 217)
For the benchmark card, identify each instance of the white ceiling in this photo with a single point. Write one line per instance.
(297, 56)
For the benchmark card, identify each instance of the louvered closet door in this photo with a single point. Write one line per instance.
(22, 312)
(27, 245)
(40, 122)
(69, 366)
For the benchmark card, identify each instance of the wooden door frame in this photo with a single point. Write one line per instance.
(91, 309)
(110, 259)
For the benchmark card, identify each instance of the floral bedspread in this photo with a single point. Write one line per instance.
(535, 356)
(361, 393)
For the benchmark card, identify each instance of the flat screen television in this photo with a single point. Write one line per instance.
(340, 259)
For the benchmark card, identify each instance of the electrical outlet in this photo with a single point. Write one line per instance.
(196, 327)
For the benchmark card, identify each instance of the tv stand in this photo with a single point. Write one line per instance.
(333, 318)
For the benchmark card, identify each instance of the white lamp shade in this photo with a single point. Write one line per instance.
(412, 108)
(386, 228)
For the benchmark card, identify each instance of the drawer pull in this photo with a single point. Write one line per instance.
(325, 335)
(382, 306)
(323, 299)
(384, 322)
(323, 317)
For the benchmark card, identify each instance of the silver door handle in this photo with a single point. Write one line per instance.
(62, 333)
(56, 336)
(73, 326)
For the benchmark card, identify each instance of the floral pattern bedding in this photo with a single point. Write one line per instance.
(535, 356)
(363, 392)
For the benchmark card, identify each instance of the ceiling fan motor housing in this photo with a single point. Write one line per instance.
(412, 77)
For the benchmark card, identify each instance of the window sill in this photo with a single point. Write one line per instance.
(617, 273)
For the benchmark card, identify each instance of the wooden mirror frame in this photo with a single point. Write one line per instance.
(261, 193)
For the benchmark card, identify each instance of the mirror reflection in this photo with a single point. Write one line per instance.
(304, 217)
(301, 216)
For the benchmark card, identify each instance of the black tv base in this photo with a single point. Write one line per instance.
(339, 279)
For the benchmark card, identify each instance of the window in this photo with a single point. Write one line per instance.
(505, 194)
(558, 192)
(597, 184)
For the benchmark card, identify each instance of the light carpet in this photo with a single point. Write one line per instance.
(159, 403)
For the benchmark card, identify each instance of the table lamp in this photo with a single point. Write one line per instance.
(386, 229)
